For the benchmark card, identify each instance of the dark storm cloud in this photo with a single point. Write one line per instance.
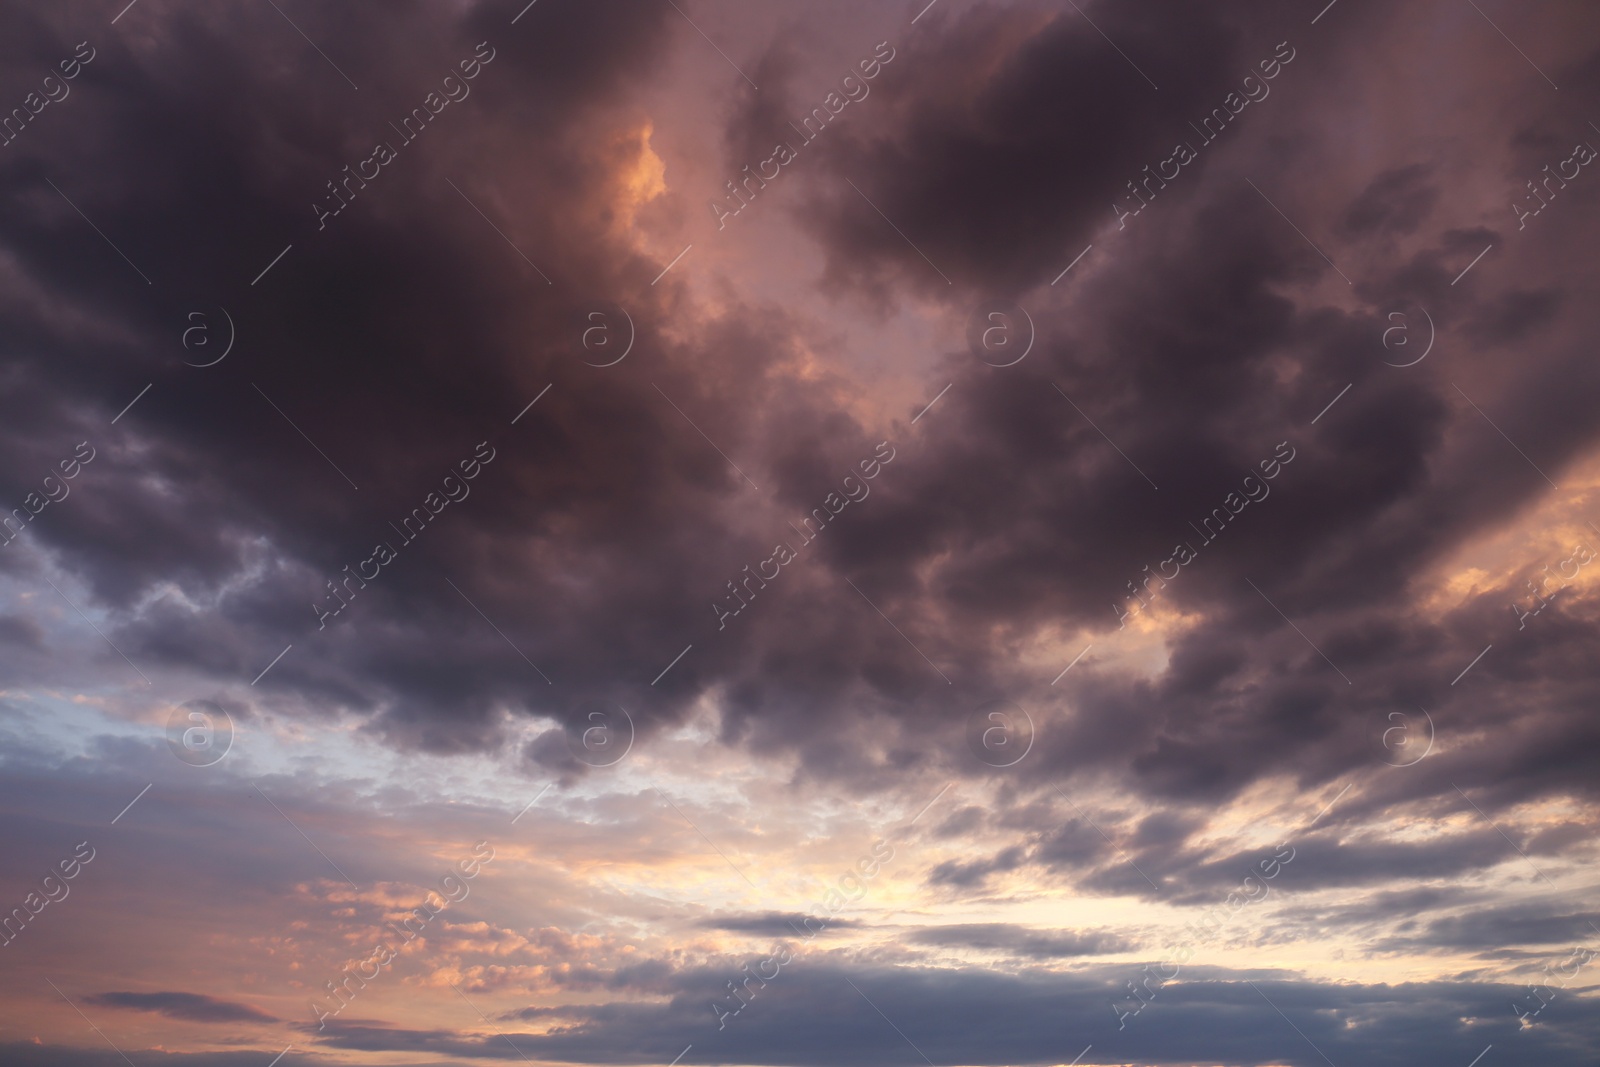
(1201, 336)
(396, 338)
(1028, 120)
(1197, 362)
(407, 331)
(194, 1007)
(1037, 1017)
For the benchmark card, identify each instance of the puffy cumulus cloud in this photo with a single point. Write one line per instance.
(399, 418)
(1199, 336)
(606, 528)
(1030, 123)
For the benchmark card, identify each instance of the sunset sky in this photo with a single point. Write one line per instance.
(797, 534)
